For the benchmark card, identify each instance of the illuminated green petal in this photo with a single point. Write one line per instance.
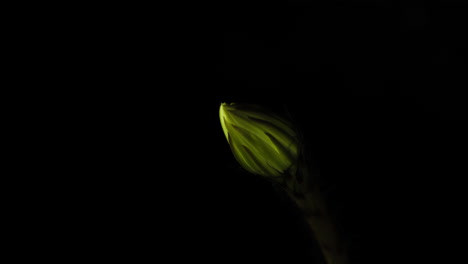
(261, 141)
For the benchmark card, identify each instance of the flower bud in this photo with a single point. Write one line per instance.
(261, 141)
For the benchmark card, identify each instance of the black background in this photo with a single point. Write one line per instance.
(375, 86)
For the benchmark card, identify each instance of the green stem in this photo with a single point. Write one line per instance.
(314, 207)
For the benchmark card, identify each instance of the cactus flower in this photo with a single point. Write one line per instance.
(261, 141)
(267, 145)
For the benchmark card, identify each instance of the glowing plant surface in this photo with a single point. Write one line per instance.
(262, 142)
(267, 145)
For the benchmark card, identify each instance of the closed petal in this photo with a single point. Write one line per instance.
(262, 142)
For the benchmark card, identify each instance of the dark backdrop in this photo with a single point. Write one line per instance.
(375, 86)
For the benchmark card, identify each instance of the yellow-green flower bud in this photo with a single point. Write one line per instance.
(261, 141)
